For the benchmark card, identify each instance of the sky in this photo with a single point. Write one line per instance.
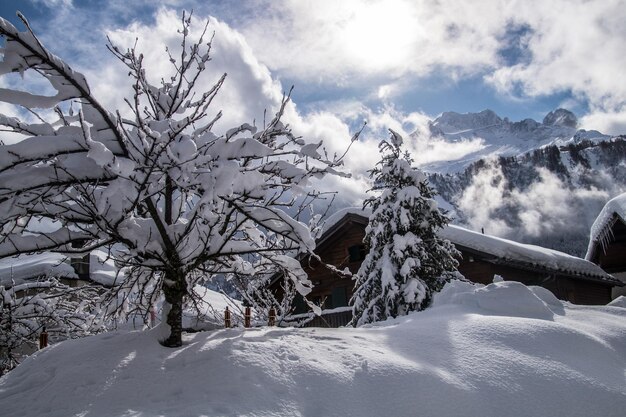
(392, 64)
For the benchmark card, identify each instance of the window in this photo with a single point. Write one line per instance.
(299, 305)
(339, 297)
(356, 253)
(81, 266)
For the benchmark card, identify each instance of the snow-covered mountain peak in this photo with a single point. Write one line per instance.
(453, 122)
(492, 135)
(561, 117)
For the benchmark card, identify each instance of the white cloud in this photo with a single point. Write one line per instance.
(567, 46)
(54, 3)
(483, 198)
(248, 92)
(346, 41)
(379, 46)
(547, 207)
(575, 46)
(609, 122)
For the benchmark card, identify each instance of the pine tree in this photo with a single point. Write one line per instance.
(407, 261)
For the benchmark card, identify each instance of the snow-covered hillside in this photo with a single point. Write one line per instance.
(549, 195)
(497, 350)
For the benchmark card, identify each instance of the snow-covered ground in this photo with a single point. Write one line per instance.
(497, 350)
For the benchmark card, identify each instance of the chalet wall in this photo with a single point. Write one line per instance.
(482, 271)
(564, 288)
(335, 251)
(583, 292)
(618, 291)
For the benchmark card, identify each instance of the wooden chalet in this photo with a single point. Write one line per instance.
(482, 256)
(607, 243)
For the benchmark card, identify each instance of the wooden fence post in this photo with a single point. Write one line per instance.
(43, 339)
(272, 317)
(227, 318)
(247, 318)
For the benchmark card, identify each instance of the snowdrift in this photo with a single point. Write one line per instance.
(498, 350)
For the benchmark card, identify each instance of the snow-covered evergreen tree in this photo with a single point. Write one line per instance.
(172, 201)
(407, 261)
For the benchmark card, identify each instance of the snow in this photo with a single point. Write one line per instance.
(618, 302)
(599, 228)
(337, 216)
(211, 305)
(102, 269)
(498, 350)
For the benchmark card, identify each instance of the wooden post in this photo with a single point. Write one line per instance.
(43, 339)
(227, 318)
(247, 318)
(272, 317)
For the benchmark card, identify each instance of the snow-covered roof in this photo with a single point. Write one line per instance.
(531, 255)
(340, 215)
(27, 267)
(613, 210)
(503, 249)
(102, 268)
(16, 270)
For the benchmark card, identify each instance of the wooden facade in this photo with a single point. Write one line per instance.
(610, 253)
(481, 267)
(342, 247)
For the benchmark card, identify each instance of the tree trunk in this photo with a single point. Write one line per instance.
(174, 295)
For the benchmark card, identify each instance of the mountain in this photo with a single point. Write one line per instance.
(536, 182)
(496, 136)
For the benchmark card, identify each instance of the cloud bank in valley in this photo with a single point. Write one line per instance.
(547, 209)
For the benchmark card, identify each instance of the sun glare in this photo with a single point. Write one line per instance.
(380, 32)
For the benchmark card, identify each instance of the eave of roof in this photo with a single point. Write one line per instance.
(614, 210)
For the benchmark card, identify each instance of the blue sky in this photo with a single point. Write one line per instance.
(412, 56)
(395, 64)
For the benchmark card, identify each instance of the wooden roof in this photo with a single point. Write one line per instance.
(496, 250)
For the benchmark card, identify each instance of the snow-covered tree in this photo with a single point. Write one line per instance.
(407, 260)
(29, 307)
(173, 202)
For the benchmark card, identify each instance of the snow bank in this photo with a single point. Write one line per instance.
(210, 310)
(496, 350)
(618, 302)
(527, 302)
